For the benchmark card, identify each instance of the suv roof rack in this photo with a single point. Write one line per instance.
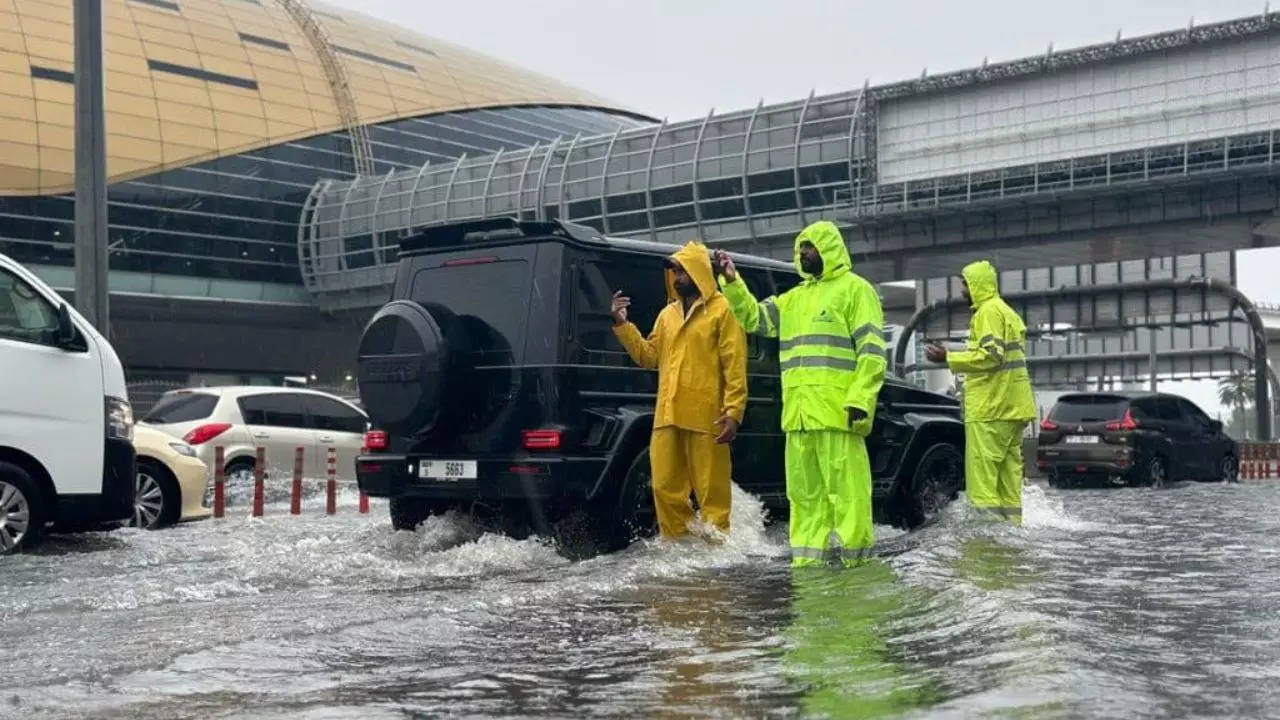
(496, 228)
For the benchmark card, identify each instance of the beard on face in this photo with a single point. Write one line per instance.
(687, 289)
(811, 264)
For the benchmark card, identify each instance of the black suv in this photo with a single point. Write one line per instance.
(1133, 438)
(495, 382)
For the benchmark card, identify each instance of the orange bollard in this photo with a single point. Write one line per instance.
(364, 499)
(331, 488)
(219, 482)
(259, 481)
(295, 498)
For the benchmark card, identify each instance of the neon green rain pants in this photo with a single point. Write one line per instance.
(993, 468)
(829, 489)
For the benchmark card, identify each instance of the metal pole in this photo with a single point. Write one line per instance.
(1151, 338)
(91, 167)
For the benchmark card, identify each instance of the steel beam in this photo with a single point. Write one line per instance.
(91, 168)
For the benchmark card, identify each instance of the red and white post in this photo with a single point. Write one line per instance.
(219, 482)
(259, 481)
(364, 499)
(295, 498)
(331, 487)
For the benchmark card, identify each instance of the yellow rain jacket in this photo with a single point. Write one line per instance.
(701, 358)
(997, 385)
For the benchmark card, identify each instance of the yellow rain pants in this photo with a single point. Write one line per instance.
(993, 468)
(829, 490)
(682, 461)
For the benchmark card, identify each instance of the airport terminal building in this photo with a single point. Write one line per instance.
(266, 157)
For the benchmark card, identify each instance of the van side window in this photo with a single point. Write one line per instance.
(642, 280)
(25, 315)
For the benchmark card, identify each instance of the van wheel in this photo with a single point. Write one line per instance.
(157, 498)
(935, 483)
(22, 512)
(407, 513)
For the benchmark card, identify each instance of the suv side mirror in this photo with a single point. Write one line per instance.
(68, 338)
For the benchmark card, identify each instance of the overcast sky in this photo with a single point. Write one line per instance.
(680, 58)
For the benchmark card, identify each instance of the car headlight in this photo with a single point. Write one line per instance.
(119, 419)
(183, 449)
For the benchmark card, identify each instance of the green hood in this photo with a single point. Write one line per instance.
(981, 277)
(835, 256)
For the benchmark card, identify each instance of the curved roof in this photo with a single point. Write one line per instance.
(192, 80)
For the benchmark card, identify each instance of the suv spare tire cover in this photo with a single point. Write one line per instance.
(401, 368)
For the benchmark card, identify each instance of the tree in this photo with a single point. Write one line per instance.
(1236, 392)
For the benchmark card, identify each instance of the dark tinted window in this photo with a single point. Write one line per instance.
(487, 301)
(183, 407)
(1168, 408)
(1089, 408)
(275, 410)
(1195, 414)
(641, 279)
(1145, 409)
(332, 415)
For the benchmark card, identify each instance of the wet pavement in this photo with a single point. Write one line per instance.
(1108, 603)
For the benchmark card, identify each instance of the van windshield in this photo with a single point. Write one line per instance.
(183, 407)
(487, 299)
(1089, 409)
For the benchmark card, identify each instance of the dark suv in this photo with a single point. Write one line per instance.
(496, 383)
(1133, 438)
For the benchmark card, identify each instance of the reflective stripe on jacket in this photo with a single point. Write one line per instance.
(830, 330)
(997, 385)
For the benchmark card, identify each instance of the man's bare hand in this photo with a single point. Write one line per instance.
(727, 268)
(936, 353)
(728, 429)
(619, 310)
(856, 416)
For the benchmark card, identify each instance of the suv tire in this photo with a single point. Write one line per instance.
(636, 517)
(19, 498)
(936, 481)
(407, 513)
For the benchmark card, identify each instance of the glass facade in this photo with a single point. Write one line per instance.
(236, 217)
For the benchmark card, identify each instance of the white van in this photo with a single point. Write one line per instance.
(66, 427)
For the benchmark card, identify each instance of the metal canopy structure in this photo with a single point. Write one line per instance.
(1119, 309)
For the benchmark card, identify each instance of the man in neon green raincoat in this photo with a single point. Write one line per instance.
(831, 346)
(998, 401)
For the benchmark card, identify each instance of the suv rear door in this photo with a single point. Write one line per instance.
(1082, 420)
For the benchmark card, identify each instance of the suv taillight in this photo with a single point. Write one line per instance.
(205, 433)
(1048, 424)
(1125, 423)
(376, 440)
(541, 439)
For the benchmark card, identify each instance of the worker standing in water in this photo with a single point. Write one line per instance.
(998, 401)
(831, 343)
(701, 357)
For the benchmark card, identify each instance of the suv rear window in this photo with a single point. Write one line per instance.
(184, 407)
(489, 298)
(1095, 408)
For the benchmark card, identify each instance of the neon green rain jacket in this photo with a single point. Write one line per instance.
(996, 386)
(831, 337)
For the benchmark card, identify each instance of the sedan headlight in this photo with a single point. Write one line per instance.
(183, 449)
(119, 419)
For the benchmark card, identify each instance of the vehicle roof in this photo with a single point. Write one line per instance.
(509, 231)
(1125, 394)
(239, 391)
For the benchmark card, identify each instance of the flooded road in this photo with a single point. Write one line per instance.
(1108, 603)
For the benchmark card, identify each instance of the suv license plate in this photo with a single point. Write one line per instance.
(1082, 439)
(447, 469)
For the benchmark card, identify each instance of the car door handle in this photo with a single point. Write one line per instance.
(262, 436)
(327, 439)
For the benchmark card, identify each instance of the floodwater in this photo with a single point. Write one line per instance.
(1107, 603)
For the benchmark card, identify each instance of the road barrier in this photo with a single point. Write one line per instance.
(1259, 461)
(296, 491)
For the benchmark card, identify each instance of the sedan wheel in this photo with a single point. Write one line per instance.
(1157, 473)
(1230, 470)
(15, 516)
(148, 499)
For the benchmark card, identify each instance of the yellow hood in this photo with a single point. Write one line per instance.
(696, 260)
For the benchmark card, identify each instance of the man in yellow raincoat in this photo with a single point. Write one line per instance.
(998, 401)
(831, 346)
(701, 357)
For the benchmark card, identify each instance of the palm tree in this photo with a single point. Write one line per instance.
(1236, 392)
